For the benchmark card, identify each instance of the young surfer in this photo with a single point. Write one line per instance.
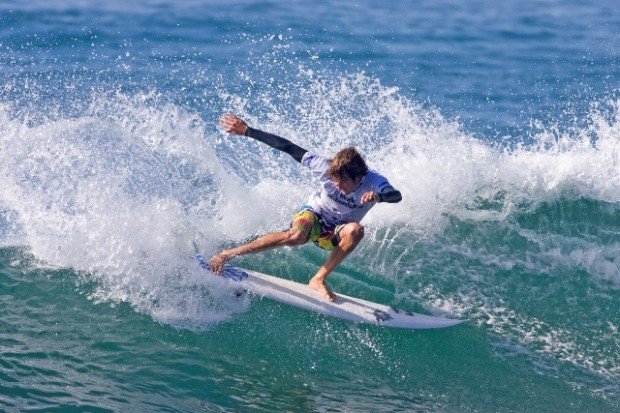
(331, 216)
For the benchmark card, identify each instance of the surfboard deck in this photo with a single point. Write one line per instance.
(344, 307)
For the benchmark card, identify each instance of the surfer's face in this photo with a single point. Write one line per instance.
(345, 184)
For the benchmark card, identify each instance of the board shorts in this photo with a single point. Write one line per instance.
(315, 229)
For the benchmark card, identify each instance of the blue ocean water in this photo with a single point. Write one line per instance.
(499, 122)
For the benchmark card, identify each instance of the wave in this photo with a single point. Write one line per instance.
(119, 190)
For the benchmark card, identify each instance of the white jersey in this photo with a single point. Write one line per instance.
(332, 205)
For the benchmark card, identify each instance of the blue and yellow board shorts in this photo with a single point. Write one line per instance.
(315, 229)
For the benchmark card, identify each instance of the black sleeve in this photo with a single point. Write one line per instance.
(277, 142)
(389, 195)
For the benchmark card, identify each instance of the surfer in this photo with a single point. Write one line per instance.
(331, 216)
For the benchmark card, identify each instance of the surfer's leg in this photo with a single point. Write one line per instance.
(350, 235)
(304, 222)
(291, 237)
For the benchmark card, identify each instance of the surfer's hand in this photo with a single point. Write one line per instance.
(216, 263)
(233, 124)
(369, 196)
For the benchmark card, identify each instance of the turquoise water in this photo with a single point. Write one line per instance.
(500, 124)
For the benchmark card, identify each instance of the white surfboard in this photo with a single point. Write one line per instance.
(345, 307)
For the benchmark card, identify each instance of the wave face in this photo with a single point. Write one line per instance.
(119, 192)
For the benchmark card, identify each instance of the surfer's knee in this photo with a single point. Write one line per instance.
(357, 232)
(296, 237)
(353, 231)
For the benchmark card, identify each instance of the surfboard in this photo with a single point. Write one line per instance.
(344, 307)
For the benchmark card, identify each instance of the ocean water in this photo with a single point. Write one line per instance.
(498, 121)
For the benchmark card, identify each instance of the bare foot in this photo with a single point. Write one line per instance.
(322, 288)
(216, 263)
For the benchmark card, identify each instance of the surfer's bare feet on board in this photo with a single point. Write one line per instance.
(321, 287)
(216, 263)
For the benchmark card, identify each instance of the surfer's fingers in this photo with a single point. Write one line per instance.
(368, 196)
(233, 124)
(215, 266)
(226, 121)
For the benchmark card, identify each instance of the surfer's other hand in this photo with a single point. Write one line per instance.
(369, 196)
(233, 124)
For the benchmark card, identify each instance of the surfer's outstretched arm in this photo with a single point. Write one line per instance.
(234, 124)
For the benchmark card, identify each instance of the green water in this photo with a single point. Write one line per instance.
(62, 351)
